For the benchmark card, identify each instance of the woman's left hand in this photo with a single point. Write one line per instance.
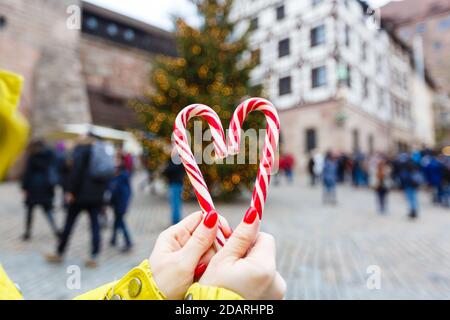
(183, 252)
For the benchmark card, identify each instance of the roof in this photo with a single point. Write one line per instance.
(403, 12)
(141, 35)
(112, 15)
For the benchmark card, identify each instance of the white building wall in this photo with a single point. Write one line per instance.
(423, 112)
(383, 58)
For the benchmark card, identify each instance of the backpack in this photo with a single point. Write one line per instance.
(417, 178)
(52, 175)
(102, 161)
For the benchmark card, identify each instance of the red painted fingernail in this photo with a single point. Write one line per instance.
(250, 216)
(200, 270)
(211, 219)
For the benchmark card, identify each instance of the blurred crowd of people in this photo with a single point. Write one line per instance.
(404, 171)
(93, 176)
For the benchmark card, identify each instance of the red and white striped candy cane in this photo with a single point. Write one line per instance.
(190, 164)
(270, 146)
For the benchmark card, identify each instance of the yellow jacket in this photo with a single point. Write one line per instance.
(13, 126)
(138, 284)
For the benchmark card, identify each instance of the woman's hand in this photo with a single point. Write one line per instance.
(246, 265)
(183, 251)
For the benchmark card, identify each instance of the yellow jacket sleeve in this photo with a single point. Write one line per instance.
(138, 284)
(199, 292)
(8, 290)
(13, 126)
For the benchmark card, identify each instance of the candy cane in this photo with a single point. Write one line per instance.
(270, 146)
(267, 159)
(190, 164)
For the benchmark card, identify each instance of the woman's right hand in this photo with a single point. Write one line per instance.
(247, 264)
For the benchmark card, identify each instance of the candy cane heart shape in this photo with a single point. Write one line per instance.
(268, 156)
(190, 164)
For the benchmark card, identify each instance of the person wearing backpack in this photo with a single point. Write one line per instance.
(93, 167)
(38, 185)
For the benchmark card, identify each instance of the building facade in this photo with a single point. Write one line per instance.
(425, 25)
(339, 82)
(77, 75)
(429, 21)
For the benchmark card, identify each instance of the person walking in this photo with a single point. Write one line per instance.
(435, 173)
(63, 169)
(311, 172)
(318, 164)
(410, 180)
(174, 172)
(93, 167)
(121, 192)
(382, 183)
(329, 176)
(38, 185)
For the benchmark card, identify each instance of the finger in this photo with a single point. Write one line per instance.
(202, 239)
(243, 237)
(175, 237)
(203, 264)
(225, 227)
(206, 258)
(264, 249)
(191, 222)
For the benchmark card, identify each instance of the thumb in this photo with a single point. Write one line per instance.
(243, 238)
(202, 239)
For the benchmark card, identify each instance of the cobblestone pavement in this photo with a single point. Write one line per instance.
(323, 252)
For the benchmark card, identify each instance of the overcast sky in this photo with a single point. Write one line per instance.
(159, 13)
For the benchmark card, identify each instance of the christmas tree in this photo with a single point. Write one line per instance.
(212, 67)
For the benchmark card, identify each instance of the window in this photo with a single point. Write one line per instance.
(437, 45)
(444, 24)
(112, 30)
(92, 23)
(366, 88)
(364, 51)
(420, 28)
(284, 86)
(311, 140)
(281, 13)
(319, 77)
(283, 48)
(371, 143)
(348, 81)
(379, 66)
(355, 139)
(380, 98)
(129, 35)
(318, 35)
(402, 147)
(2, 22)
(347, 36)
(254, 24)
